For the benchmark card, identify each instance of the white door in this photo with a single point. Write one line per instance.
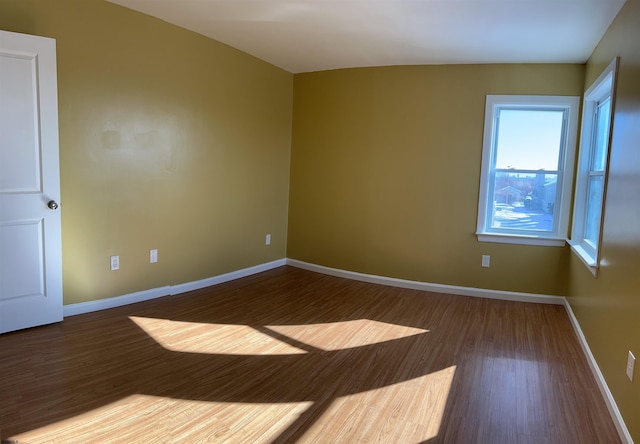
(30, 245)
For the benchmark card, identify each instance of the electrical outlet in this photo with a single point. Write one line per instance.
(267, 240)
(115, 263)
(631, 363)
(486, 261)
(153, 256)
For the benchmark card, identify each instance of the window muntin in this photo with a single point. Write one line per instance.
(527, 152)
(591, 183)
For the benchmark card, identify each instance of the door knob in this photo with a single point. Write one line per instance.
(53, 204)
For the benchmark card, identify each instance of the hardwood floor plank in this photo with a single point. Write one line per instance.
(293, 356)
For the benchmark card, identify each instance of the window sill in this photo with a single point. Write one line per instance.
(521, 239)
(586, 258)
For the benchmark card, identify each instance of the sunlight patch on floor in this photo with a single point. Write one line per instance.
(195, 337)
(147, 419)
(409, 411)
(205, 338)
(346, 334)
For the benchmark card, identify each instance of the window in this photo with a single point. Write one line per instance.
(593, 159)
(527, 167)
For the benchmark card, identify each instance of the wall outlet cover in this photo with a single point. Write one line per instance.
(631, 363)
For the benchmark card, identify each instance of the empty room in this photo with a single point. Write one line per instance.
(397, 221)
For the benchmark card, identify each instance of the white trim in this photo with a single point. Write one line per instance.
(603, 87)
(501, 238)
(145, 295)
(625, 436)
(196, 285)
(425, 286)
(585, 257)
(118, 301)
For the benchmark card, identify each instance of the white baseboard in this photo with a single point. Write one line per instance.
(140, 296)
(196, 285)
(425, 286)
(118, 301)
(625, 436)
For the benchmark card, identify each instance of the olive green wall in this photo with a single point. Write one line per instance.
(385, 171)
(168, 140)
(608, 307)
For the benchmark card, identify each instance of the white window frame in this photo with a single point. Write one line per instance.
(558, 236)
(601, 90)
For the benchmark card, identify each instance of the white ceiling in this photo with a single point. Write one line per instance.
(314, 35)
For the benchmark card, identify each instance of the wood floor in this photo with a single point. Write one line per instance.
(294, 356)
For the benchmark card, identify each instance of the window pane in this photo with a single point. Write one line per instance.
(524, 201)
(529, 139)
(594, 206)
(603, 112)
